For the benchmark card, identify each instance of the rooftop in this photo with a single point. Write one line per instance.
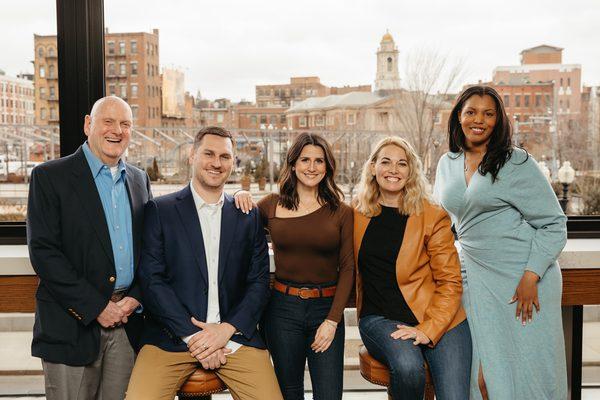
(352, 99)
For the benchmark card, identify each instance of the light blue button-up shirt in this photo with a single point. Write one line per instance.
(117, 210)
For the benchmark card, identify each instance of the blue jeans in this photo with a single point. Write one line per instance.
(449, 361)
(289, 325)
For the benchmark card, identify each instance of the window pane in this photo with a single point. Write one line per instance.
(29, 133)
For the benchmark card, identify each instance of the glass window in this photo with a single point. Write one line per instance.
(122, 69)
(123, 93)
(538, 100)
(122, 48)
(134, 91)
(111, 69)
(133, 46)
(111, 47)
(526, 99)
(134, 68)
(29, 134)
(517, 101)
(506, 100)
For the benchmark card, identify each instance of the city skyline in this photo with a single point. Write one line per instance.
(227, 49)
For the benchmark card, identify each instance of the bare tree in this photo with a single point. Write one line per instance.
(417, 114)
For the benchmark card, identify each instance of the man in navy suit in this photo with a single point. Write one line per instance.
(204, 274)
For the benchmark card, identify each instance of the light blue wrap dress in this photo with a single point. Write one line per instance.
(504, 228)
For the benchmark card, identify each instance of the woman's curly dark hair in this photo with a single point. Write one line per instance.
(499, 148)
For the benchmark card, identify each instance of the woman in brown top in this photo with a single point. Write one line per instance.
(311, 232)
(408, 284)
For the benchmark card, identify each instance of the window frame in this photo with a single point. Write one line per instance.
(80, 39)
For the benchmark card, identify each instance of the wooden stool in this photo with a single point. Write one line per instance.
(377, 373)
(201, 385)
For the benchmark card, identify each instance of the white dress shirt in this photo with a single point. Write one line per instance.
(210, 223)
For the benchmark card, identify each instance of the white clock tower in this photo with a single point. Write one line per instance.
(387, 65)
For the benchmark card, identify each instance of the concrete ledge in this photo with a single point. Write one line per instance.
(16, 322)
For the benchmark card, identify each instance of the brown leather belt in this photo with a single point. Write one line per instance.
(304, 292)
(118, 295)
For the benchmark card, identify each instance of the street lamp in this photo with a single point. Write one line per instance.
(566, 176)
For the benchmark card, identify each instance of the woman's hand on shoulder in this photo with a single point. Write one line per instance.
(408, 332)
(243, 201)
(526, 297)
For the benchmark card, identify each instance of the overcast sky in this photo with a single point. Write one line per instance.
(226, 47)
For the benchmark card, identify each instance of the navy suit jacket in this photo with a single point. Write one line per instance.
(70, 250)
(174, 278)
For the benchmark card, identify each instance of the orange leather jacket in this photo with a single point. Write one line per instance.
(427, 270)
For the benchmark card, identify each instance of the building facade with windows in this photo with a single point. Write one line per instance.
(132, 68)
(542, 64)
(299, 89)
(16, 100)
(45, 79)
(132, 72)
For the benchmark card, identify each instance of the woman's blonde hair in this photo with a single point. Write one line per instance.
(414, 192)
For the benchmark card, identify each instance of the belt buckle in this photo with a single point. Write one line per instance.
(301, 295)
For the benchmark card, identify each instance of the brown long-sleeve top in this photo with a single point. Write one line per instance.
(314, 248)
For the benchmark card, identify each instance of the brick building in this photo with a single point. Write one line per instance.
(16, 100)
(45, 79)
(131, 69)
(299, 89)
(542, 64)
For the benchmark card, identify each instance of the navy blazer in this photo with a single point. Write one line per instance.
(70, 250)
(174, 278)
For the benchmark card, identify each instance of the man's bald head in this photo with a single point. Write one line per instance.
(112, 100)
(108, 128)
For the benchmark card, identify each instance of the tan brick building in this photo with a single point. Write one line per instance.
(16, 100)
(131, 68)
(45, 79)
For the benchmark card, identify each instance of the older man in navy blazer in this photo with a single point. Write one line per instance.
(204, 274)
(84, 228)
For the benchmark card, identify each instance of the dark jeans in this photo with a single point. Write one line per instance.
(449, 361)
(290, 324)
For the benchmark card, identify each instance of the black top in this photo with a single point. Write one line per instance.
(377, 265)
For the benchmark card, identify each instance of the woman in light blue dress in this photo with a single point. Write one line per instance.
(511, 230)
